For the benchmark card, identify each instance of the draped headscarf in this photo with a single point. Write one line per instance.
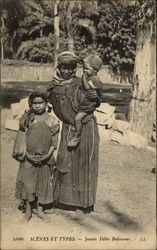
(59, 80)
(65, 58)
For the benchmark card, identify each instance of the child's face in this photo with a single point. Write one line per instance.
(38, 105)
(66, 71)
(88, 69)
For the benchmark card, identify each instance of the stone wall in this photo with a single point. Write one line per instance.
(45, 73)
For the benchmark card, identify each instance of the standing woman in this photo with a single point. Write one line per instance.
(75, 181)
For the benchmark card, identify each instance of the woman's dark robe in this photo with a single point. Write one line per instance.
(79, 165)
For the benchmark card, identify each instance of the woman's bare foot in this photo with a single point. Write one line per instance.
(50, 211)
(40, 214)
(34, 211)
(79, 214)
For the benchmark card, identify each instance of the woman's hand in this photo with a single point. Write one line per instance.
(27, 117)
(23, 123)
(92, 94)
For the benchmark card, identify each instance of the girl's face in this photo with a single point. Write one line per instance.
(66, 71)
(38, 105)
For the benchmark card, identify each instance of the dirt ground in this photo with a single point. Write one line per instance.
(125, 210)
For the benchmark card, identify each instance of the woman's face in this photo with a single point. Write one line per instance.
(38, 105)
(66, 71)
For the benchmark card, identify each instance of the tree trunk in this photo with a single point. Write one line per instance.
(41, 32)
(11, 44)
(56, 32)
(2, 39)
(70, 26)
(143, 102)
(2, 49)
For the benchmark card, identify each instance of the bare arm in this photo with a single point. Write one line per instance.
(85, 82)
(38, 158)
(51, 150)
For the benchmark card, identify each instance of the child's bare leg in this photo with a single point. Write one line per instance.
(40, 212)
(22, 206)
(28, 213)
(78, 122)
(78, 127)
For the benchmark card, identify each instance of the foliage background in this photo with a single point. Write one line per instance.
(107, 27)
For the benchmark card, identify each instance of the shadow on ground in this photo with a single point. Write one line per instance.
(95, 222)
(119, 220)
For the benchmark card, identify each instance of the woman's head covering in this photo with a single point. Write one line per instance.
(67, 58)
(94, 61)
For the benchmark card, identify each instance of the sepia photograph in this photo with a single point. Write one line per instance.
(72, 176)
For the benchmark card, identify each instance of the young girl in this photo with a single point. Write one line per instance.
(82, 104)
(34, 175)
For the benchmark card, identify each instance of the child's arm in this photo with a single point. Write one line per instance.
(54, 128)
(48, 155)
(88, 84)
(54, 134)
(38, 158)
(27, 117)
(85, 82)
(95, 91)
